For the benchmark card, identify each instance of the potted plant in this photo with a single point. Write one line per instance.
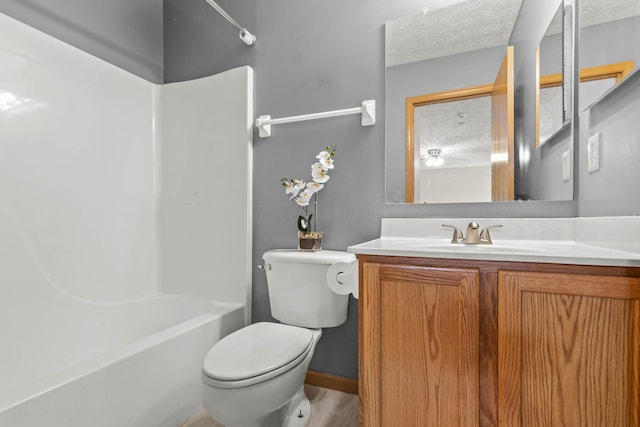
(303, 193)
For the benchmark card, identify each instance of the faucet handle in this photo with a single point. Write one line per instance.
(485, 237)
(458, 237)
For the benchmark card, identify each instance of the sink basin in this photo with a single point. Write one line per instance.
(589, 241)
(505, 247)
(495, 248)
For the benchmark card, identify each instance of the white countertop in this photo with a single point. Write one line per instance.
(612, 241)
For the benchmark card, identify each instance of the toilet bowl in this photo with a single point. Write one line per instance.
(254, 377)
(264, 390)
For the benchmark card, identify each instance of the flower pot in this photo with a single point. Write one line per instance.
(310, 242)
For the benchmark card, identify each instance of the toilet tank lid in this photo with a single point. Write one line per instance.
(319, 257)
(255, 350)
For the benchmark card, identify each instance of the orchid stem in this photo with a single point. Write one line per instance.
(315, 211)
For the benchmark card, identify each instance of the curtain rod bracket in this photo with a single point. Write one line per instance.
(248, 38)
(264, 126)
(368, 111)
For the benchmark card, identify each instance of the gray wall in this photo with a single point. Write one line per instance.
(610, 43)
(123, 32)
(311, 57)
(614, 190)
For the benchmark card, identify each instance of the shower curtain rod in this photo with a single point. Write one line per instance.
(245, 35)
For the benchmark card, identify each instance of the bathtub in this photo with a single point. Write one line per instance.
(107, 199)
(69, 363)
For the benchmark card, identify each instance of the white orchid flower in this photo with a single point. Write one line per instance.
(314, 187)
(326, 160)
(318, 173)
(298, 185)
(288, 185)
(304, 197)
(292, 186)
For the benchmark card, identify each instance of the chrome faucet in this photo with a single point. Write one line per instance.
(472, 237)
(458, 237)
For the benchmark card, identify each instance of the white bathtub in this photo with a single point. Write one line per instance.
(108, 197)
(69, 363)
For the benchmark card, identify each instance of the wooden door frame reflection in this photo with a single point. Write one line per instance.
(502, 142)
(616, 71)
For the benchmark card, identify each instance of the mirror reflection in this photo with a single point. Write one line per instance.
(609, 48)
(432, 60)
(454, 143)
(457, 48)
(552, 114)
(459, 143)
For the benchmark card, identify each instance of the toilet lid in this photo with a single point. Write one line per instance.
(255, 350)
(296, 256)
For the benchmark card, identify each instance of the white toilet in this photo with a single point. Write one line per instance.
(254, 377)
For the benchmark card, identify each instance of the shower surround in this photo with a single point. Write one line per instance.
(110, 194)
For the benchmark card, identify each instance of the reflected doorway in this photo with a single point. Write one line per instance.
(459, 143)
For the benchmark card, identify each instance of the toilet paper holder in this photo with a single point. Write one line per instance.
(342, 277)
(339, 278)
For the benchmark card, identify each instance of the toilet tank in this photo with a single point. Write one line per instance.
(298, 291)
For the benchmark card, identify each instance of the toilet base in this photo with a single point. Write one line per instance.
(294, 413)
(297, 411)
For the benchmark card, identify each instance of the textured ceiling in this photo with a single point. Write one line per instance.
(487, 23)
(437, 33)
(594, 12)
(550, 111)
(460, 129)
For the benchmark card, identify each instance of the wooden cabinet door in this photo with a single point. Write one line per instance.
(568, 350)
(419, 334)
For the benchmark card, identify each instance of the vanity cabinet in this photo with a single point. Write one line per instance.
(568, 350)
(419, 346)
(484, 343)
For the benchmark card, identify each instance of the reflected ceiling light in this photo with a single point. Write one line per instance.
(524, 156)
(499, 157)
(434, 157)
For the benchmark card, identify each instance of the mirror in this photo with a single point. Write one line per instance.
(454, 48)
(459, 143)
(552, 101)
(609, 48)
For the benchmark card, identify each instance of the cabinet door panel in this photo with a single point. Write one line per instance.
(424, 321)
(569, 350)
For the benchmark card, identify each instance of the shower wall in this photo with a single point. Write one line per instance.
(77, 165)
(113, 188)
(206, 165)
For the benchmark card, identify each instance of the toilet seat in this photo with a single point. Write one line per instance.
(255, 353)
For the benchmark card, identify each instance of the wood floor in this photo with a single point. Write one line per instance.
(329, 408)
